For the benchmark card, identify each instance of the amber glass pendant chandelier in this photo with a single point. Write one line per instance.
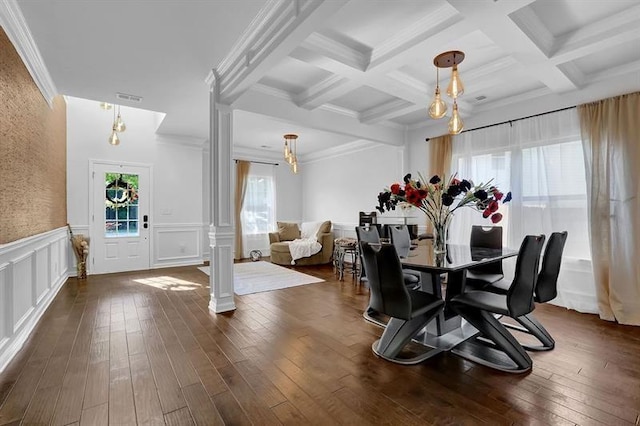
(438, 107)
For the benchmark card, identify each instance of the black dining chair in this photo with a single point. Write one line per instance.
(546, 290)
(485, 237)
(367, 218)
(370, 234)
(478, 308)
(410, 310)
(401, 240)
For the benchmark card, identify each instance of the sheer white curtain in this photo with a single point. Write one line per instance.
(540, 161)
(258, 210)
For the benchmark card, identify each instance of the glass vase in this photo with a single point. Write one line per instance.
(440, 235)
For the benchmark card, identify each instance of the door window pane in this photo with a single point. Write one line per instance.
(121, 205)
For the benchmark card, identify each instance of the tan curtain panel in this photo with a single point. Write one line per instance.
(242, 171)
(440, 149)
(440, 156)
(611, 140)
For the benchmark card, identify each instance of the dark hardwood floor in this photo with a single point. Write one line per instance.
(143, 348)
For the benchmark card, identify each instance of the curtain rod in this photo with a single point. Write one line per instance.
(515, 119)
(258, 162)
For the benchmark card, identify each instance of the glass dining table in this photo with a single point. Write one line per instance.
(448, 329)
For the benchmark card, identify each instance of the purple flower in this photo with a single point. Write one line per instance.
(480, 194)
(507, 198)
(434, 179)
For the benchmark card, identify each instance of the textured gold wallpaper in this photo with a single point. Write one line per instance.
(33, 153)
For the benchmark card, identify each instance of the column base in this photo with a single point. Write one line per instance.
(218, 306)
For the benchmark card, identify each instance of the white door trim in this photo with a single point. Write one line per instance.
(92, 164)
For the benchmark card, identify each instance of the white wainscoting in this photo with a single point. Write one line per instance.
(177, 244)
(32, 270)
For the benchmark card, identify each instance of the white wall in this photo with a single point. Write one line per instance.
(338, 187)
(176, 214)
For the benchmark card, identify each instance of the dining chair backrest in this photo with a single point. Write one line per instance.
(547, 285)
(367, 218)
(487, 237)
(520, 293)
(389, 294)
(368, 234)
(400, 239)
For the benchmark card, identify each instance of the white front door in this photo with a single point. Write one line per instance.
(119, 218)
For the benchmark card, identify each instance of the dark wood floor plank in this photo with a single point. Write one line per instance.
(288, 414)
(41, 409)
(230, 409)
(147, 402)
(69, 406)
(181, 417)
(95, 416)
(201, 406)
(97, 388)
(121, 404)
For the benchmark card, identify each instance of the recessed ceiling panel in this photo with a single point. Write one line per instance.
(294, 76)
(478, 49)
(372, 22)
(564, 16)
(414, 117)
(265, 134)
(362, 98)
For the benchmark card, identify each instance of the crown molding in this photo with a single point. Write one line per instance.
(619, 28)
(339, 110)
(332, 48)
(609, 73)
(387, 110)
(338, 151)
(308, 98)
(253, 154)
(415, 33)
(409, 81)
(187, 141)
(14, 24)
(272, 91)
(521, 97)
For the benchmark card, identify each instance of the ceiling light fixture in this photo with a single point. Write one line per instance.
(118, 125)
(291, 150)
(438, 107)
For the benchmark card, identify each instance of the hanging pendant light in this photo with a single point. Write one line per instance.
(455, 123)
(114, 139)
(290, 150)
(119, 123)
(438, 107)
(455, 88)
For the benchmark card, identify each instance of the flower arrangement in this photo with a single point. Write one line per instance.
(439, 199)
(80, 245)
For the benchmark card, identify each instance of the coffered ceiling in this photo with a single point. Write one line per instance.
(339, 71)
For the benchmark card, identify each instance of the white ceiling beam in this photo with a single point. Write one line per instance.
(283, 109)
(491, 19)
(278, 29)
(601, 35)
(324, 91)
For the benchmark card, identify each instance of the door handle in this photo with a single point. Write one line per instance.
(145, 219)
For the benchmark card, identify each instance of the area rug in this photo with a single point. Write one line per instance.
(255, 277)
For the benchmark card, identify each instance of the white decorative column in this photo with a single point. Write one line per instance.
(221, 230)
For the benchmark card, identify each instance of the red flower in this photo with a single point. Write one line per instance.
(496, 217)
(493, 206)
(413, 197)
(497, 195)
(395, 188)
(486, 213)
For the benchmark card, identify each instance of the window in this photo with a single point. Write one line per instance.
(121, 205)
(258, 210)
